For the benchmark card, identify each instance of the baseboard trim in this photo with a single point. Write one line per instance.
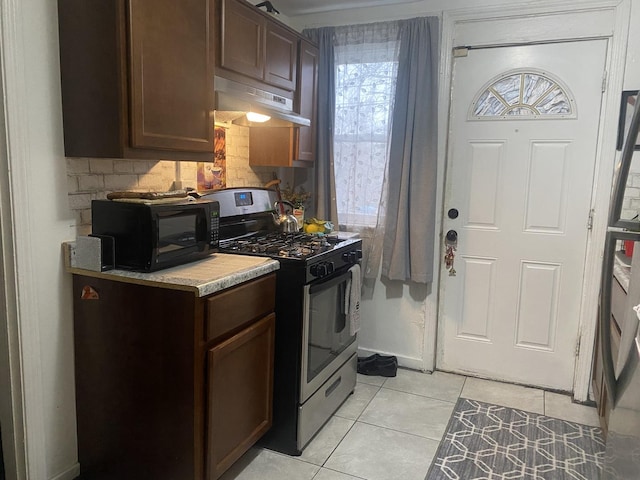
(69, 474)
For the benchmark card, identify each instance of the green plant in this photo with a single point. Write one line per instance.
(297, 198)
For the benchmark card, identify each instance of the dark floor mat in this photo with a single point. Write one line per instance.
(489, 441)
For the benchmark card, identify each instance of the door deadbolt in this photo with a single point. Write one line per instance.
(453, 213)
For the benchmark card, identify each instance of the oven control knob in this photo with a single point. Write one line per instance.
(319, 270)
(351, 257)
(322, 269)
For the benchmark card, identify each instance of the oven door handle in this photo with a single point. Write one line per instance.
(332, 281)
(341, 320)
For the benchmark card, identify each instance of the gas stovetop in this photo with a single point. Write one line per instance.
(248, 227)
(300, 246)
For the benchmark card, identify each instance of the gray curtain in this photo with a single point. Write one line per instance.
(324, 181)
(410, 221)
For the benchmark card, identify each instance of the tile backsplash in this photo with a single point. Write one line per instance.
(93, 178)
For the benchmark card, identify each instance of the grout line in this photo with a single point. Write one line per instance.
(338, 471)
(403, 432)
(453, 402)
(338, 444)
(367, 404)
(463, 385)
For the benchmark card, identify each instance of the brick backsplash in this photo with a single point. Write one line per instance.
(93, 178)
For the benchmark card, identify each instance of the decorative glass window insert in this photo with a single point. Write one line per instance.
(525, 95)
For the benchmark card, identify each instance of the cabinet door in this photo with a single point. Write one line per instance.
(171, 74)
(272, 147)
(307, 99)
(240, 391)
(242, 46)
(281, 57)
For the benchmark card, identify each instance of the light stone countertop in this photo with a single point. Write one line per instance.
(203, 277)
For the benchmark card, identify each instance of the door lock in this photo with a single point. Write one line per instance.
(450, 244)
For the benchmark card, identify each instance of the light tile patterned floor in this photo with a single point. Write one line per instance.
(390, 428)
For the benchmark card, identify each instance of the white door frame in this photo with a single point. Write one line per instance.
(21, 406)
(523, 24)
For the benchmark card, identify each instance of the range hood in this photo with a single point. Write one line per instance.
(234, 100)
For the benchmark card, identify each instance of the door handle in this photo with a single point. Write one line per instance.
(450, 244)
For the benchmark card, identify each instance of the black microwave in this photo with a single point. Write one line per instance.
(149, 237)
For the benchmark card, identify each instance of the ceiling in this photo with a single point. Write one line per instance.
(291, 8)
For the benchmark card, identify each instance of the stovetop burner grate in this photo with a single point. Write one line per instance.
(284, 245)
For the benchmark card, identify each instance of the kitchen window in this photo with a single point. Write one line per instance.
(365, 82)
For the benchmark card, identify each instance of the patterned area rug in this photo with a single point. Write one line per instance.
(485, 441)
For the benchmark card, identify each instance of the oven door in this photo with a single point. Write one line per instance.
(326, 340)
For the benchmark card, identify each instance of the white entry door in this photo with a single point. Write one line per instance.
(520, 168)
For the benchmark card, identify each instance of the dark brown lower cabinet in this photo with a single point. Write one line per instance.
(240, 394)
(160, 393)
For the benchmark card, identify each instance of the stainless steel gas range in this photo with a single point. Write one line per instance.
(315, 353)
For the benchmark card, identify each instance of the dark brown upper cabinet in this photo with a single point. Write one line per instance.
(293, 146)
(281, 57)
(307, 100)
(256, 46)
(137, 78)
(242, 39)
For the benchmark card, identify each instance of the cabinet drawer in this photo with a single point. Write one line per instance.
(238, 306)
(317, 410)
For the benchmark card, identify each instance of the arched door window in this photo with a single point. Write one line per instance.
(525, 94)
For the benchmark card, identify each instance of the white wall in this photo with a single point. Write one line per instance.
(632, 72)
(50, 223)
(42, 221)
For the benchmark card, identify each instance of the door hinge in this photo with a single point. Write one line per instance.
(578, 347)
(604, 81)
(460, 52)
(590, 219)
